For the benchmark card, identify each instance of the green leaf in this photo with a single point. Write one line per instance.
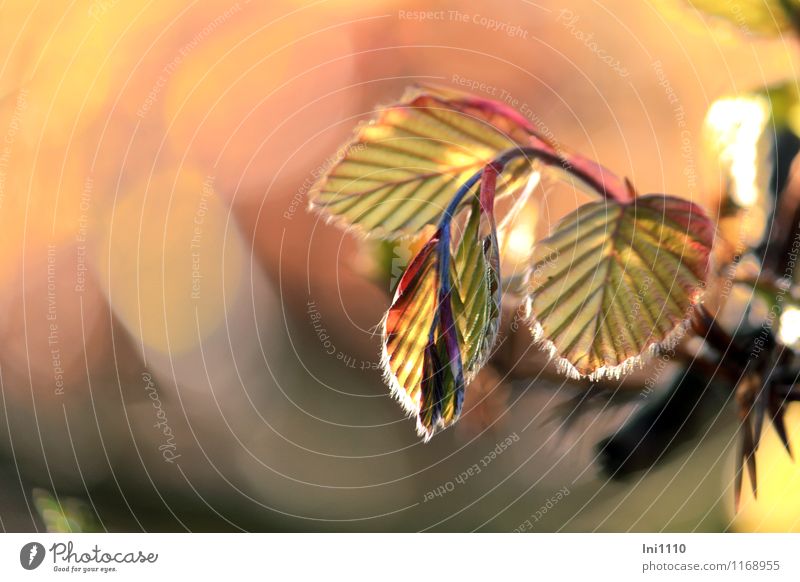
(618, 280)
(416, 363)
(65, 515)
(401, 168)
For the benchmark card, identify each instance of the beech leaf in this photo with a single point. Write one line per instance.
(616, 281)
(439, 329)
(400, 170)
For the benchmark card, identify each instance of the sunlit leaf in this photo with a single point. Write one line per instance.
(402, 167)
(615, 281)
(438, 331)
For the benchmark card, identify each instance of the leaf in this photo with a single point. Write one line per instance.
(439, 329)
(616, 280)
(65, 514)
(397, 173)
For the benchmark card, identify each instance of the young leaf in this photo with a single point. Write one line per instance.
(400, 170)
(444, 318)
(618, 279)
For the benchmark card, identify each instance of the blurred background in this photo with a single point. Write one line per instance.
(184, 347)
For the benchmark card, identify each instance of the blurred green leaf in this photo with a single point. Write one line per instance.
(66, 515)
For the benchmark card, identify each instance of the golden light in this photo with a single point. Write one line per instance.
(518, 239)
(789, 329)
(353, 6)
(70, 61)
(777, 508)
(458, 158)
(734, 128)
(520, 242)
(375, 132)
(244, 96)
(170, 260)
